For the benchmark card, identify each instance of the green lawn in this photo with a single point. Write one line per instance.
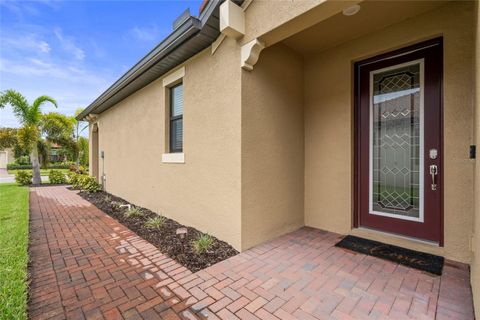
(43, 172)
(13, 251)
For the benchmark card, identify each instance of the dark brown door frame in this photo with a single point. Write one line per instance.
(436, 42)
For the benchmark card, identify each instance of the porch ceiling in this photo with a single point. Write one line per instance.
(374, 15)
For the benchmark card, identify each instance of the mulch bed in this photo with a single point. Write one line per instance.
(165, 238)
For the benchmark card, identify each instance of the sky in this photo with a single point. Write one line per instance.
(74, 50)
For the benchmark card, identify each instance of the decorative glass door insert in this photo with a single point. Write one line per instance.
(396, 141)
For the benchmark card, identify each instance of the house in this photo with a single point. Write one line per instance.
(6, 156)
(258, 117)
(55, 153)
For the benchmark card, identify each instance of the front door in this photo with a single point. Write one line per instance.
(399, 142)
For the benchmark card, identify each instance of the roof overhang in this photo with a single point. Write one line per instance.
(188, 39)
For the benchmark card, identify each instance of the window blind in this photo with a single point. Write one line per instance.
(176, 118)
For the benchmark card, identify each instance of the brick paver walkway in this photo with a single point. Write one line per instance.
(84, 264)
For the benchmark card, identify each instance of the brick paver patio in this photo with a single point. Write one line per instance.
(84, 264)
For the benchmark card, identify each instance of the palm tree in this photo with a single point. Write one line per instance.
(30, 116)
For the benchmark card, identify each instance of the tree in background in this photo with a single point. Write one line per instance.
(43, 153)
(53, 126)
(82, 143)
(30, 117)
(59, 129)
(83, 147)
(8, 138)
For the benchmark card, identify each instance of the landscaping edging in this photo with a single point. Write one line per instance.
(165, 238)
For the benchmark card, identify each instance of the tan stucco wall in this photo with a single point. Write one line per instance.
(288, 16)
(272, 146)
(475, 267)
(329, 117)
(259, 18)
(204, 192)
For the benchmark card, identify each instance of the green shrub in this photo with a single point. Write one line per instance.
(90, 184)
(133, 212)
(56, 177)
(63, 165)
(115, 204)
(23, 160)
(81, 169)
(17, 166)
(84, 182)
(155, 223)
(74, 180)
(203, 243)
(23, 177)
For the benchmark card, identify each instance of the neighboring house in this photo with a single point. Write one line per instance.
(293, 113)
(6, 156)
(55, 153)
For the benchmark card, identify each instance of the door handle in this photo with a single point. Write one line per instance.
(433, 173)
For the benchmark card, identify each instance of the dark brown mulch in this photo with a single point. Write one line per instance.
(165, 238)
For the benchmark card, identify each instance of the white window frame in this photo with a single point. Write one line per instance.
(169, 81)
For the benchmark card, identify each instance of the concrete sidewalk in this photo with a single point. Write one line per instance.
(5, 177)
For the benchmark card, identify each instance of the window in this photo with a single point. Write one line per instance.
(176, 118)
(173, 117)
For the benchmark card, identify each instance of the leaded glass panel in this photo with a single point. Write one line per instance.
(396, 141)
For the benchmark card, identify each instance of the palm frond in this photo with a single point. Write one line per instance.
(56, 125)
(18, 102)
(42, 100)
(78, 111)
(35, 111)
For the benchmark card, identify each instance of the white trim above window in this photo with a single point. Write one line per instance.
(174, 77)
(173, 157)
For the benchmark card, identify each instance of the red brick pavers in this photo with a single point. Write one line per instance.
(87, 265)
(84, 264)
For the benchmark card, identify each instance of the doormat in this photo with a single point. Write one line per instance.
(410, 258)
